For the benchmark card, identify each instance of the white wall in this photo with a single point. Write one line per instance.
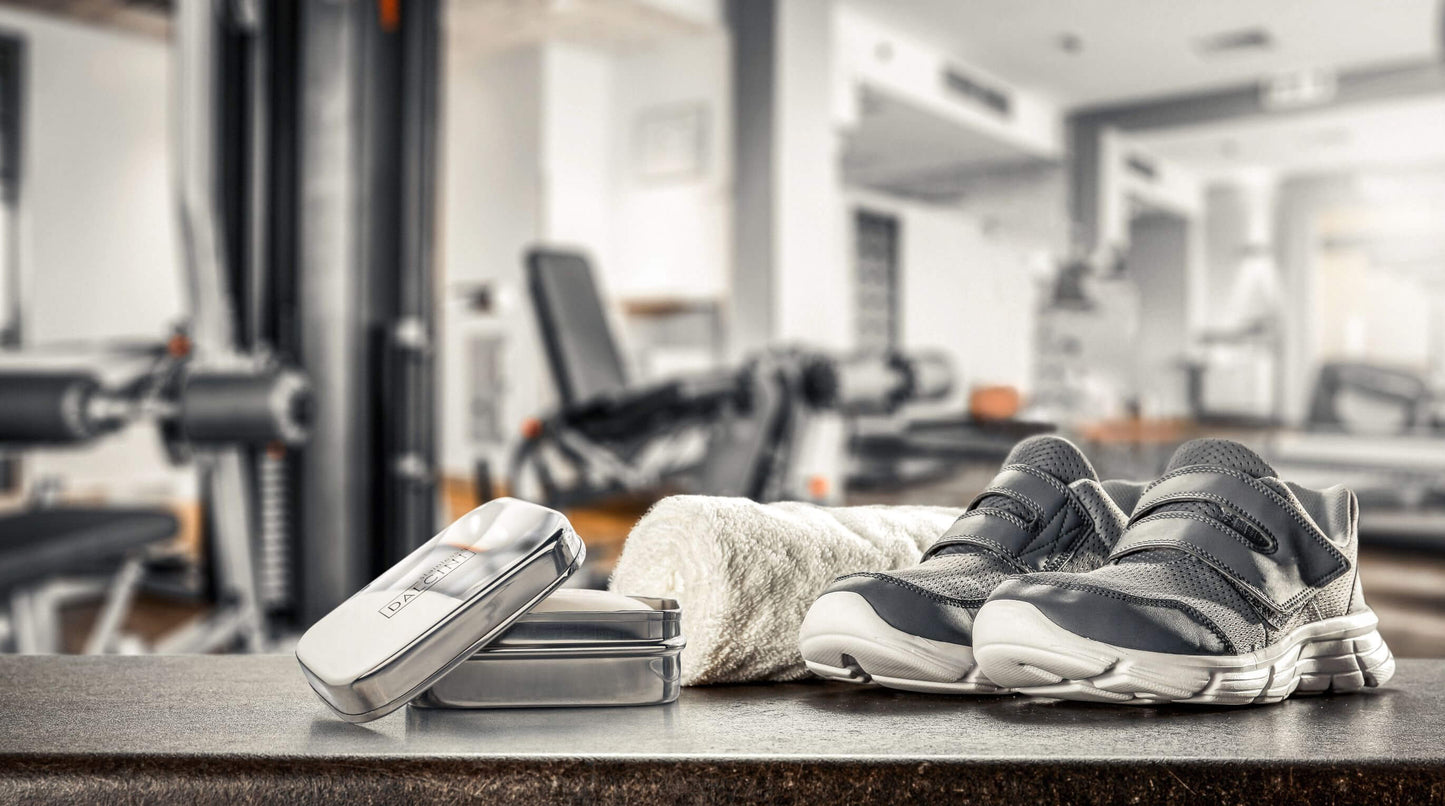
(99, 244)
(673, 237)
(576, 138)
(99, 249)
(491, 195)
(1162, 251)
(539, 146)
(966, 288)
(813, 276)
(971, 270)
(490, 211)
(1377, 315)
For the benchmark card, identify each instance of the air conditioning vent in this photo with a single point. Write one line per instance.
(1142, 167)
(1240, 42)
(977, 93)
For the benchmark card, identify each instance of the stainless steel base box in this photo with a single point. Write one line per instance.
(576, 648)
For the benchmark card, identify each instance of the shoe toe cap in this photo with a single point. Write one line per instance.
(1111, 617)
(910, 608)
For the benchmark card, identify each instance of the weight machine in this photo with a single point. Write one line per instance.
(304, 156)
(745, 425)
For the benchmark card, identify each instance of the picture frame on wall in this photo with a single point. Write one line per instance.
(670, 142)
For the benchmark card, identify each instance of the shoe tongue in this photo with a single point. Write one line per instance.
(1219, 453)
(1053, 455)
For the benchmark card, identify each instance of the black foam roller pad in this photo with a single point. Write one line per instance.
(40, 408)
(244, 407)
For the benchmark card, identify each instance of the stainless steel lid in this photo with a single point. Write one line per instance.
(432, 610)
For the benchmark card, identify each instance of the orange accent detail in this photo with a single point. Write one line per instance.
(389, 13)
(178, 345)
(276, 450)
(994, 402)
(818, 487)
(531, 428)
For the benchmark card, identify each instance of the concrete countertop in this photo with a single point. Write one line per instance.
(248, 729)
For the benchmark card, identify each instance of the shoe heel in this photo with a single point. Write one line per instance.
(1345, 664)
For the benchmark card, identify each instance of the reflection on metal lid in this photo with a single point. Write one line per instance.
(433, 609)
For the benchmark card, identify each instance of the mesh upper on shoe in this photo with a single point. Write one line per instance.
(1220, 453)
(1056, 456)
(969, 573)
(965, 577)
(1171, 575)
(1332, 600)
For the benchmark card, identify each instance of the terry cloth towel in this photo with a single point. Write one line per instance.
(745, 573)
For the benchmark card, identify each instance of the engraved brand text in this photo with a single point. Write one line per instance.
(425, 582)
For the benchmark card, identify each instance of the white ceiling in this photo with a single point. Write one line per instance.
(1134, 49)
(902, 148)
(1396, 134)
(490, 25)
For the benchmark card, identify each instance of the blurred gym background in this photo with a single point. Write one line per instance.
(287, 286)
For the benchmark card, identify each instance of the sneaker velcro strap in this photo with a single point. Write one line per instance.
(1283, 570)
(997, 531)
(1035, 489)
(1254, 501)
(1003, 532)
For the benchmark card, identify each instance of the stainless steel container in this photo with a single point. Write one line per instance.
(577, 648)
(397, 636)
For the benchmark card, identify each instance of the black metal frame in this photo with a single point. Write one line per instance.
(363, 495)
(367, 82)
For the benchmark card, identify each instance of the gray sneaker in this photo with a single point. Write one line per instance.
(912, 629)
(1229, 587)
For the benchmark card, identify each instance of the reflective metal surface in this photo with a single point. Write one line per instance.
(645, 674)
(573, 657)
(659, 621)
(435, 608)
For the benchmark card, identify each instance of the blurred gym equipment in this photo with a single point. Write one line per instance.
(1244, 358)
(318, 118)
(1376, 430)
(51, 557)
(894, 454)
(1372, 399)
(308, 116)
(54, 556)
(732, 432)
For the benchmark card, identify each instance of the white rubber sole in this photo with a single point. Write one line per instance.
(1018, 646)
(842, 638)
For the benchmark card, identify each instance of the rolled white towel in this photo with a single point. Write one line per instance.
(745, 573)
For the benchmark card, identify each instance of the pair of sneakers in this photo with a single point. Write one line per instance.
(1218, 584)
